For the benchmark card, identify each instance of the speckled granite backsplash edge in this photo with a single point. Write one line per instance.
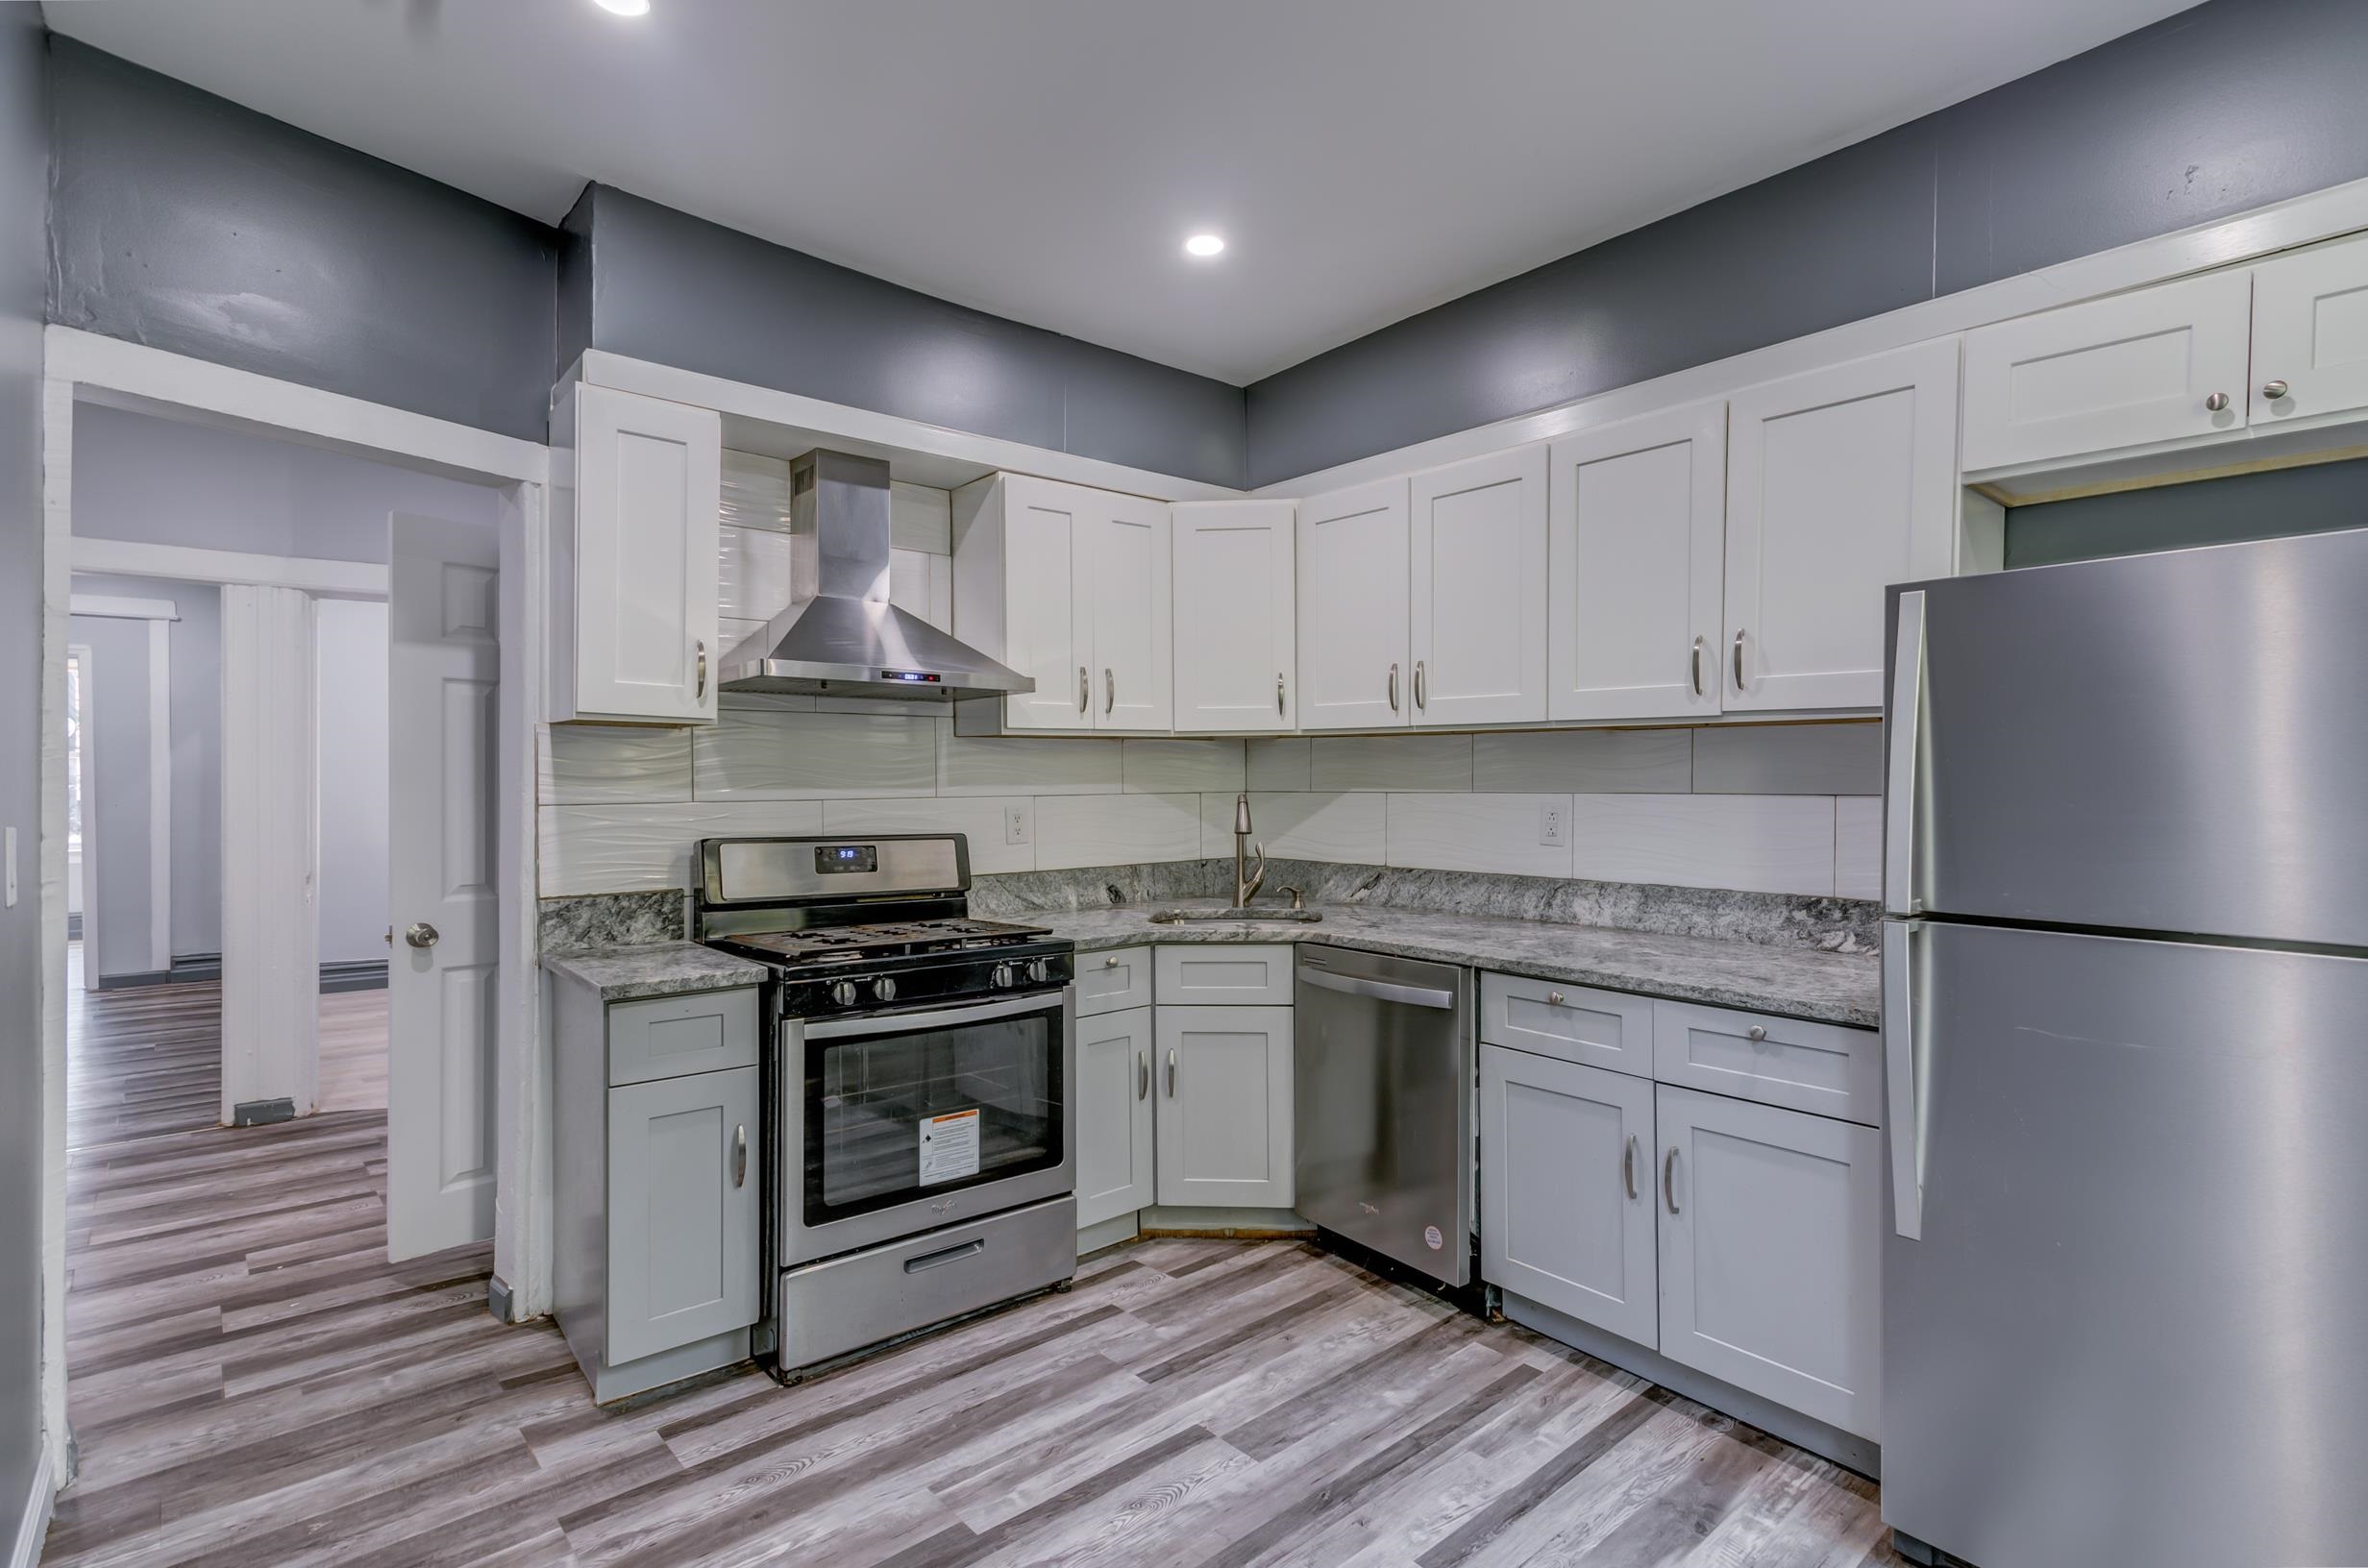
(1770, 919)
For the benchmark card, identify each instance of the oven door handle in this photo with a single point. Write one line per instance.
(881, 1023)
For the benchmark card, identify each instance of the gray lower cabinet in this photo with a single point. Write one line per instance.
(1567, 1199)
(683, 1179)
(1111, 1109)
(1770, 1243)
(657, 1210)
(1223, 1095)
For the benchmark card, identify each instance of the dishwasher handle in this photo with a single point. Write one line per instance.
(1380, 990)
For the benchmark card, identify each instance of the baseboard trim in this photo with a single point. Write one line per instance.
(32, 1524)
(136, 979)
(197, 967)
(1844, 1448)
(354, 974)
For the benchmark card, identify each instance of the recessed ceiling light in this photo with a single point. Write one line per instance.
(625, 7)
(1198, 245)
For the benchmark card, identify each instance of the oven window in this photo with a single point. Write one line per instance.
(893, 1118)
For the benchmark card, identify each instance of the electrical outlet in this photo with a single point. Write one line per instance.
(1550, 823)
(1014, 825)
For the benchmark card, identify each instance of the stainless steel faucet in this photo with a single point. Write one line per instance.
(1246, 883)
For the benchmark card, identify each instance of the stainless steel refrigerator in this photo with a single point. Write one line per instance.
(2126, 1030)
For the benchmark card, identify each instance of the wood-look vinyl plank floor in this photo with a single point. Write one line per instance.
(251, 1383)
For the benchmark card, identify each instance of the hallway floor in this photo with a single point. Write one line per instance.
(253, 1383)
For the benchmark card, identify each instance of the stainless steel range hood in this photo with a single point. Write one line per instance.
(840, 636)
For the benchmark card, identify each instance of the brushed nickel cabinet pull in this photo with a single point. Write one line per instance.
(1757, 1033)
(1628, 1167)
(1142, 1075)
(1669, 1178)
(2217, 403)
(1110, 689)
(1697, 667)
(1085, 691)
(1738, 661)
(2275, 390)
(1171, 1075)
(740, 1155)
(1110, 963)
(702, 670)
(1393, 688)
(1279, 694)
(1554, 998)
(1423, 701)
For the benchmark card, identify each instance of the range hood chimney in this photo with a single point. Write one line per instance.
(840, 636)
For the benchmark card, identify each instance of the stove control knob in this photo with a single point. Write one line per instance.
(1039, 970)
(885, 988)
(1006, 978)
(843, 992)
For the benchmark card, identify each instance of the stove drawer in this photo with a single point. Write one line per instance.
(1113, 982)
(668, 1036)
(843, 1304)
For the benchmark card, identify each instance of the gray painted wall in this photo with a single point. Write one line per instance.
(24, 173)
(164, 482)
(2215, 110)
(187, 223)
(2264, 505)
(354, 779)
(195, 641)
(666, 286)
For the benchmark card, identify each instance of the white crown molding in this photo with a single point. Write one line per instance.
(2302, 220)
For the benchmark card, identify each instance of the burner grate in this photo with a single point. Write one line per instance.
(850, 944)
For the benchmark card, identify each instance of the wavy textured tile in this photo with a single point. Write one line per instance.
(580, 764)
(980, 818)
(1756, 843)
(1788, 759)
(1390, 762)
(1170, 766)
(1116, 829)
(1475, 833)
(763, 753)
(1584, 761)
(1301, 825)
(631, 849)
(1857, 847)
(1027, 765)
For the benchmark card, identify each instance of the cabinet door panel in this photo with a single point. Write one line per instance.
(1355, 668)
(1224, 1106)
(2119, 372)
(1634, 566)
(2310, 332)
(682, 1210)
(1771, 1252)
(1047, 634)
(1841, 482)
(1478, 590)
(1115, 1171)
(1128, 601)
(648, 478)
(1567, 1189)
(1235, 612)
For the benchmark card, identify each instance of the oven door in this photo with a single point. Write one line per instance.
(900, 1122)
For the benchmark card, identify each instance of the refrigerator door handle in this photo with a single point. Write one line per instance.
(1899, 788)
(1901, 1064)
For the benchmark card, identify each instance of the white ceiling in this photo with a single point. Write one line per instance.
(1045, 159)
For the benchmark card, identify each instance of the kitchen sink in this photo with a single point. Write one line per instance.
(1175, 917)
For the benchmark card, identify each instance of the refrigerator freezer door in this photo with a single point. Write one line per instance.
(2169, 742)
(2129, 1332)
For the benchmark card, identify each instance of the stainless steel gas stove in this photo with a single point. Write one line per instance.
(917, 1142)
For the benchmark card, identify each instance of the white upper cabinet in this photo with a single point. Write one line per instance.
(1235, 611)
(1839, 482)
(633, 575)
(1352, 590)
(1071, 587)
(1634, 568)
(2124, 371)
(2310, 335)
(1478, 590)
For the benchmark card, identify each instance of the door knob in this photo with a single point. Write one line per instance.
(420, 935)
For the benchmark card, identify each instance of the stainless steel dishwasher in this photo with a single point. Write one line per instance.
(1384, 1106)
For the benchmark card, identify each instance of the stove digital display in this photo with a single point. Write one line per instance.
(829, 858)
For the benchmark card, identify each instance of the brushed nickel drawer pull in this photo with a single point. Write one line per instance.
(1085, 691)
(1757, 1033)
(1393, 688)
(1171, 1075)
(1142, 1075)
(1628, 1167)
(1697, 667)
(1738, 661)
(740, 1155)
(703, 671)
(1554, 998)
(1669, 1178)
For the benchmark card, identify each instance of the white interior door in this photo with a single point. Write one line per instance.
(1352, 609)
(443, 668)
(1637, 567)
(1478, 590)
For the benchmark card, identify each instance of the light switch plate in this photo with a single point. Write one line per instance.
(1014, 825)
(1552, 818)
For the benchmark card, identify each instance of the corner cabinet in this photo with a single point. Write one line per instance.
(1839, 483)
(635, 491)
(1071, 587)
(1236, 615)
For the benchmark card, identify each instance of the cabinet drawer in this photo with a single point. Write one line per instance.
(1819, 1067)
(667, 1037)
(1226, 975)
(1570, 1023)
(1113, 982)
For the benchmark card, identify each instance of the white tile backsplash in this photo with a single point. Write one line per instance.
(1390, 762)
(1857, 847)
(752, 573)
(632, 848)
(1282, 764)
(1788, 759)
(1584, 761)
(1150, 766)
(1757, 843)
(980, 818)
(1300, 825)
(754, 753)
(1476, 833)
(583, 764)
(1027, 765)
(1116, 829)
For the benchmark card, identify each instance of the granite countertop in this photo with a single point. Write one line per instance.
(1831, 988)
(658, 968)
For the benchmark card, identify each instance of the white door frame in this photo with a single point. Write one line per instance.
(159, 614)
(85, 367)
(80, 652)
